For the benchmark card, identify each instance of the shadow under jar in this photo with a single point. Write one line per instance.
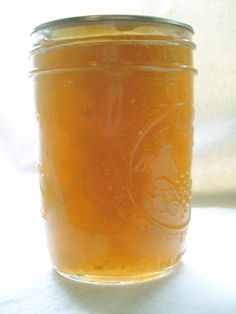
(114, 105)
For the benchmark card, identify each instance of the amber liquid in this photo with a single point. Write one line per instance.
(116, 138)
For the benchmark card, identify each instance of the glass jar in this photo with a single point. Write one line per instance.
(114, 104)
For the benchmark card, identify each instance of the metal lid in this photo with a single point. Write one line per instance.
(102, 18)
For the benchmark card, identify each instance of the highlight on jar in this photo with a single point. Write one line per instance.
(114, 102)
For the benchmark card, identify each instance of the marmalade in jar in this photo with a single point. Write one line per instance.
(114, 104)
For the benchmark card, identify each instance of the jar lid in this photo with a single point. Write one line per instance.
(102, 18)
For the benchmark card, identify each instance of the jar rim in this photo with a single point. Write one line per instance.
(116, 17)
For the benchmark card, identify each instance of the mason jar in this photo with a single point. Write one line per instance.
(114, 101)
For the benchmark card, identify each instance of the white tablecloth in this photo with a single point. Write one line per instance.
(205, 281)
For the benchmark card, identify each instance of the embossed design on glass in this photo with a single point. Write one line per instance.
(114, 107)
(165, 194)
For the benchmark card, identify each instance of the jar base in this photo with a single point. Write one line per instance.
(117, 280)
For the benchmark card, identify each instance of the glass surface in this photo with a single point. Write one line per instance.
(114, 105)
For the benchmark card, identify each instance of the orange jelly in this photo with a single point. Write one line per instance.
(114, 104)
